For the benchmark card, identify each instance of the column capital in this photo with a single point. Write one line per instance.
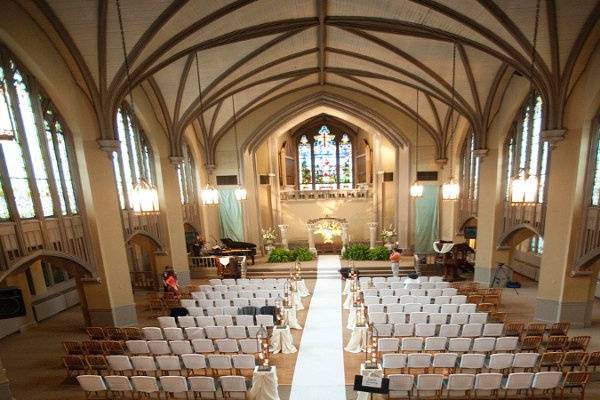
(553, 136)
(283, 227)
(310, 227)
(210, 168)
(109, 146)
(176, 160)
(480, 153)
(372, 225)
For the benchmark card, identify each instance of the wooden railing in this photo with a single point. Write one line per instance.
(467, 208)
(191, 214)
(589, 242)
(200, 265)
(65, 235)
(147, 222)
(532, 215)
(358, 193)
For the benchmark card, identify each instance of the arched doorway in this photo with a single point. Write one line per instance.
(521, 249)
(469, 231)
(142, 252)
(193, 240)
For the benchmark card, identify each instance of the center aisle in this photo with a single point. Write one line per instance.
(319, 371)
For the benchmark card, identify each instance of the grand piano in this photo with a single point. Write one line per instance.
(233, 248)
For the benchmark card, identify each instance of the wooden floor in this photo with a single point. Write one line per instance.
(32, 358)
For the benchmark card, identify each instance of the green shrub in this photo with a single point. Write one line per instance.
(301, 254)
(279, 255)
(379, 254)
(357, 252)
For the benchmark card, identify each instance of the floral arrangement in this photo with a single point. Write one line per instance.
(387, 235)
(269, 235)
(329, 229)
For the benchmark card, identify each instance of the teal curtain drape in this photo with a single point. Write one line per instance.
(427, 219)
(230, 215)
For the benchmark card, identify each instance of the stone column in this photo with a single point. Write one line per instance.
(311, 239)
(372, 234)
(283, 232)
(344, 236)
(4, 385)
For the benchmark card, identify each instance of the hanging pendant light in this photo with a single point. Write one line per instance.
(144, 196)
(451, 188)
(210, 195)
(523, 186)
(416, 189)
(240, 193)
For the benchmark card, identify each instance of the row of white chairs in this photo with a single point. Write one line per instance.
(206, 332)
(409, 299)
(470, 361)
(404, 286)
(227, 310)
(202, 321)
(235, 294)
(184, 346)
(404, 385)
(246, 281)
(404, 279)
(412, 292)
(232, 386)
(420, 317)
(469, 330)
(504, 344)
(429, 308)
(179, 364)
(236, 288)
(235, 303)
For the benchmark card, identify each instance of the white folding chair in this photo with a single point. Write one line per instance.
(236, 332)
(423, 300)
(206, 303)
(418, 360)
(429, 383)
(173, 385)
(442, 285)
(383, 329)
(219, 362)
(144, 365)
(399, 290)
(119, 363)
(472, 361)
(487, 383)
(461, 383)
(215, 282)
(412, 307)
(253, 330)
(449, 330)
(195, 312)
(436, 279)
(433, 293)
(212, 311)
(405, 298)
(159, 347)
(468, 308)
(203, 385)
(404, 330)
(187, 303)
(204, 321)
(438, 318)
(152, 333)
(137, 347)
(546, 382)
(471, 330)
(411, 344)
(449, 308)
(230, 310)
(249, 346)
(431, 308)
(203, 346)
(506, 344)
(215, 332)
(181, 347)
(525, 361)
(167, 322)
(240, 302)
(376, 308)
(397, 318)
(168, 364)
(119, 385)
(459, 345)
(173, 333)
(389, 300)
(194, 333)
(458, 299)
(400, 385)
(500, 361)
(441, 300)
(264, 320)
(395, 308)
(425, 330)
(418, 292)
(393, 361)
(459, 318)
(435, 343)
(483, 345)
(233, 386)
(244, 320)
(517, 381)
(449, 292)
(227, 345)
(193, 362)
(444, 361)
(92, 385)
(259, 302)
(371, 300)
(145, 384)
(476, 317)
(243, 362)
(223, 320)
(377, 317)
(427, 285)
(199, 295)
(493, 329)
(386, 345)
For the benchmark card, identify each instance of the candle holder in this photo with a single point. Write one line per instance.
(264, 352)
(279, 319)
(372, 353)
(361, 315)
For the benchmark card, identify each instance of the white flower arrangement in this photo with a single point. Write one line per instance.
(269, 235)
(387, 235)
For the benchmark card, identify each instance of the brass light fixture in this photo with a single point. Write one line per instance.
(416, 189)
(451, 188)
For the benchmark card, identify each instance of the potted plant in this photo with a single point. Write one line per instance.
(269, 236)
(388, 235)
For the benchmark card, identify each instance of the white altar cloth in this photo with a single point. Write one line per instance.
(282, 341)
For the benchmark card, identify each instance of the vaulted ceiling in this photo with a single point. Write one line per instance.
(252, 51)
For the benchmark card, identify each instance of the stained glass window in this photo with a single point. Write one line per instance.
(325, 161)
(526, 152)
(186, 178)
(305, 163)
(36, 158)
(469, 174)
(134, 161)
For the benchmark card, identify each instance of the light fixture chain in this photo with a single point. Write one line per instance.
(125, 58)
(199, 84)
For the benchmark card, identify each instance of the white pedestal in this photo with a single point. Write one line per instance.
(302, 289)
(347, 287)
(349, 302)
(290, 318)
(297, 300)
(282, 341)
(264, 385)
(358, 340)
(375, 372)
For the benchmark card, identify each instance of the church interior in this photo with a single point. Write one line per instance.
(299, 199)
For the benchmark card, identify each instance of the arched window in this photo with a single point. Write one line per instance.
(36, 166)
(594, 166)
(325, 161)
(525, 152)
(134, 161)
(469, 169)
(186, 177)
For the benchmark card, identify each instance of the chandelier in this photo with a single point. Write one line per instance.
(144, 197)
(210, 195)
(523, 186)
(240, 193)
(416, 189)
(451, 188)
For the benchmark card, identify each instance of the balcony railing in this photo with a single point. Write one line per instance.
(147, 222)
(589, 244)
(191, 214)
(467, 209)
(363, 193)
(515, 215)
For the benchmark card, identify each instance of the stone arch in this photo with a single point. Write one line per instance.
(155, 240)
(516, 235)
(467, 222)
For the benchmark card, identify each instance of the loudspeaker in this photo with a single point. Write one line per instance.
(11, 303)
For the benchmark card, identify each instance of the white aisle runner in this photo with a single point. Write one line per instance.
(319, 372)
